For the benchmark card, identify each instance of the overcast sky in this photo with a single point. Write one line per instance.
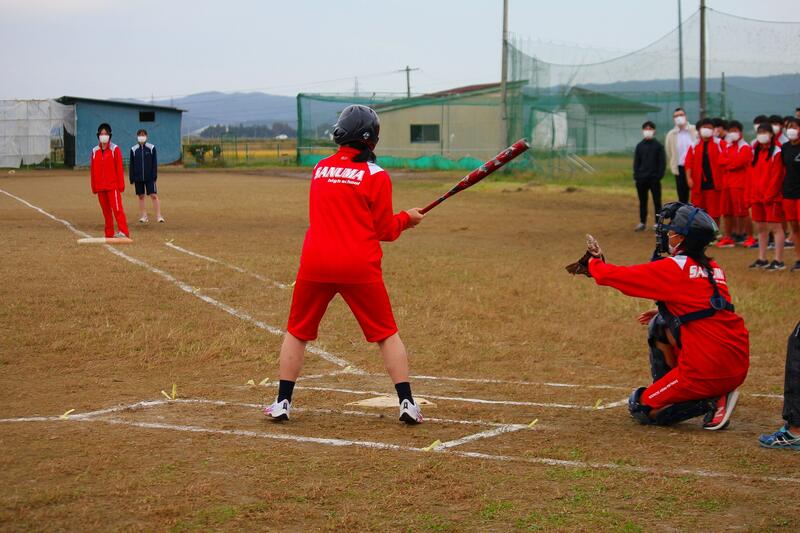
(108, 48)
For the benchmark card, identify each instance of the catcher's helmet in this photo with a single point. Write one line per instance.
(104, 126)
(697, 227)
(357, 124)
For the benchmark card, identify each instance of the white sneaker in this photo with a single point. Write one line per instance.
(410, 413)
(144, 219)
(278, 411)
(120, 235)
(161, 220)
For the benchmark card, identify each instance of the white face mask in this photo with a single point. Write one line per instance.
(776, 129)
(648, 134)
(680, 120)
(732, 137)
(763, 138)
(706, 133)
(792, 134)
(142, 139)
(103, 138)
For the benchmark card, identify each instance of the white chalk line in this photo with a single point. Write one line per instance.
(238, 313)
(601, 407)
(228, 265)
(81, 416)
(508, 428)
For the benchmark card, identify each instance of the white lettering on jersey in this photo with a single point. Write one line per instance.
(696, 271)
(347, 175)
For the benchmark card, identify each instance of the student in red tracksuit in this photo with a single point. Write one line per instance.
(699, 347)
(765, 194)
(703, 173)
(350, 212)
(108, 181)
(735, 161)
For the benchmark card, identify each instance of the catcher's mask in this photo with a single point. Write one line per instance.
(696, 226)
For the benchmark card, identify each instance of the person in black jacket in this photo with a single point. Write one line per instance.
(143, 172)
(649, 162)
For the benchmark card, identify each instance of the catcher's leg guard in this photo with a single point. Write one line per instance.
(638, 410)
(678, 412)
(656, 332)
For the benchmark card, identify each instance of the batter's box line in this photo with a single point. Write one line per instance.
(444, 451)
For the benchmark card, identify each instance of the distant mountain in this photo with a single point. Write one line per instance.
(784, 84)
(213, 108)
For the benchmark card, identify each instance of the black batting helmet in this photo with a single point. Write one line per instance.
(357, 124)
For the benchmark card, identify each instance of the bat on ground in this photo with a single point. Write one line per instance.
(482, 171)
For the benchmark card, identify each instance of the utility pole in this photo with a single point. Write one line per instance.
(504, 80)
(408, 71)
(355, 87)
(723, 99)
(680, 53)
(703, 109)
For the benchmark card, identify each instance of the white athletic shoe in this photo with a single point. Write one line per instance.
(278, 411)
(410, 413)
(161, 220)
(144, 220)
(120, 235)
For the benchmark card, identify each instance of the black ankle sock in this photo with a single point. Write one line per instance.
(404, 391)
(285, 389)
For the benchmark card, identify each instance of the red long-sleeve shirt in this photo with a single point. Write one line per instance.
(765, 180)
(694, 161)
(712, 348)
(107, 173)
(350, 212)
(736, 159)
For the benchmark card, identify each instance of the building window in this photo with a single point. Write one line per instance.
(424, 133)
(147, 116)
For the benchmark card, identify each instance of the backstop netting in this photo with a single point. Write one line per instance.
(571, 111)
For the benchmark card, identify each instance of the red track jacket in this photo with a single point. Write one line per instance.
(735, 161)
(106, 169)
(350, 212)
(694, 161)
(714, 347)
(765, 180)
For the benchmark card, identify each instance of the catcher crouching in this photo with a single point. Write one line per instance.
(699, 347)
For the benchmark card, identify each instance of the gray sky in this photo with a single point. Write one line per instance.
(108, 48)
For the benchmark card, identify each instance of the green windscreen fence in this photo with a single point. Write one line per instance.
(571, 112)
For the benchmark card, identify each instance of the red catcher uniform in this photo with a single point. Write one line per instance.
(715, 353)
(706, 189)
(765, 186)
(735, 161)
(350, 212)
(108, 181)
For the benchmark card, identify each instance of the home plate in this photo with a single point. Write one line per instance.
(389, 401)
(105, 240)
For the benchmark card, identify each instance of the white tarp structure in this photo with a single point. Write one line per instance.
(26, 127)
(550, 131)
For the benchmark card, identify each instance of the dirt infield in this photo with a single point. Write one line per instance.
(499, 337)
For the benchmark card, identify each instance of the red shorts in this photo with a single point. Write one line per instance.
(733, 203)
(791, 209)
(771, 212)
(674, 388)
(369, 302)
(709, 200)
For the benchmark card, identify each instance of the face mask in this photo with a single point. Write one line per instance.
(680, 121)
(776, 129)
(732, 137)
(142, 139)
(792, 134)
(763, 138)
(648, 134)
(706, 133)
(103, 138)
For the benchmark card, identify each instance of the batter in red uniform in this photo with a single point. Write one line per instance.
(108, 181)
(699, 347)
(350, 212)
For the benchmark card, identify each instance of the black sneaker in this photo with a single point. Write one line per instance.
(796, 267)
(759, 263)
(775, 266)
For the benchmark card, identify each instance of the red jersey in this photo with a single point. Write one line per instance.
(765, 179)
(735, 160)
(694, 161)
(715, 347)
(350, 212)
(106, 169)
